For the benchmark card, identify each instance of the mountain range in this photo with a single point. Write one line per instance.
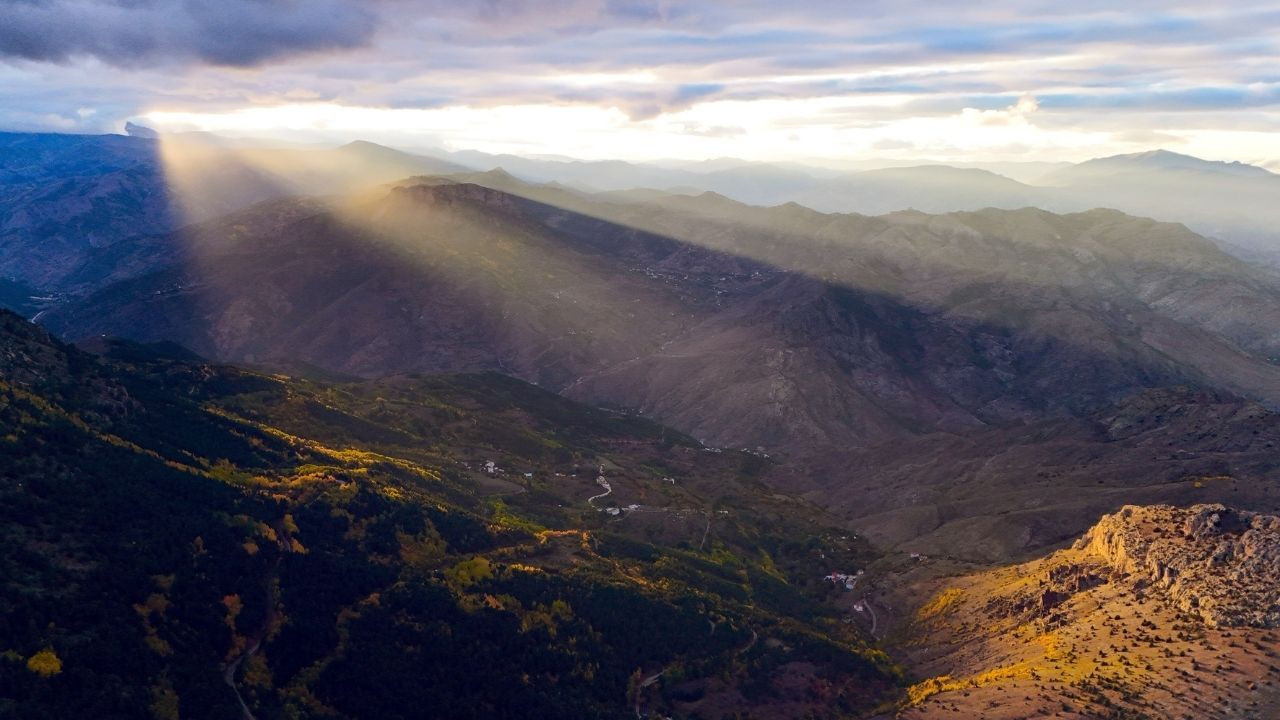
(795, 332)
(1231, 202)
(77, 192)
(183, 539)
(301, 403)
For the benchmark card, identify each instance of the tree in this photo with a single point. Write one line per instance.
(45, 663)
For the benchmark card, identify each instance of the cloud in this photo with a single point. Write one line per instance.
(130, 33)
(1015, 114)
(714, 131)
(830, 73)
(1148, 137)
(892, 144)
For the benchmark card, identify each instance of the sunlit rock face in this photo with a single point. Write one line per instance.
(1220, 564)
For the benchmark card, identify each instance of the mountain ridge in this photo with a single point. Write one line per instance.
(1107, 627)
(834, 341)
(195, 537)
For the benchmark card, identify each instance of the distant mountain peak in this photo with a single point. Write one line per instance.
(1170, 160)
(1157, 154)
(717, 197)
(140, 131)
(365, 146)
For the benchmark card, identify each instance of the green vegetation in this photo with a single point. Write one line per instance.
(340, 551)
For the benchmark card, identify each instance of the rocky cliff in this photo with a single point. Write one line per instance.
(1159, 611)
(1220, 564)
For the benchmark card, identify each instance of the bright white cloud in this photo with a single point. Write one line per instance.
(765, 129)
(1013, 79)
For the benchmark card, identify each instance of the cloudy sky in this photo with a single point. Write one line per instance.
(637, 79)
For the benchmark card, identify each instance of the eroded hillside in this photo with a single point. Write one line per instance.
(1157, 612)
(941, 381)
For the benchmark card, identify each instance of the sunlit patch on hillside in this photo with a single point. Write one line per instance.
(437, 248)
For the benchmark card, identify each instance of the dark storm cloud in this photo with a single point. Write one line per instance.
(217, 32)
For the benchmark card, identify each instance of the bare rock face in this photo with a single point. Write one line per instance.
(1220, 564)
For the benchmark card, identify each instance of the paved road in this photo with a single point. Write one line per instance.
(607, 489)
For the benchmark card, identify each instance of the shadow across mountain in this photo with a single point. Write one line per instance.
(800, 333)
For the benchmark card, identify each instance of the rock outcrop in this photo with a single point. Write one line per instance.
(1220, 564)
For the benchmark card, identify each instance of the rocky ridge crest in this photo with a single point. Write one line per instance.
(1217, 563)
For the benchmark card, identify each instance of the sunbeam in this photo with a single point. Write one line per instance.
(605, 359)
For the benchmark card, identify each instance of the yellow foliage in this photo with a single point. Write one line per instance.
(256, 672)
(226, 471)
(1054, 647)
(940, 604)
(503, 517)
(158, 645)
(250, 547)
(233, 605)
(156, 604)
(561, 610)
(995, 675)
(266, 531)
(926, 689)
(469, 572)
(767, 564)
(45, 663)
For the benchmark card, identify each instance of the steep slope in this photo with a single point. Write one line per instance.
(1150, 161)
(868, 187)
(915, 369)
(66, 198)
(998, 494)
(61, 196)
(1233, 202)
(1157, 612)
(746, 326)
(927, 188)
(190, 540)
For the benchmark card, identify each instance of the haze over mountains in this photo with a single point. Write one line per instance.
(1229, 201)
(959, 368)
(613, 359)
(64, 195)
(79, 191)
(807, 334)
